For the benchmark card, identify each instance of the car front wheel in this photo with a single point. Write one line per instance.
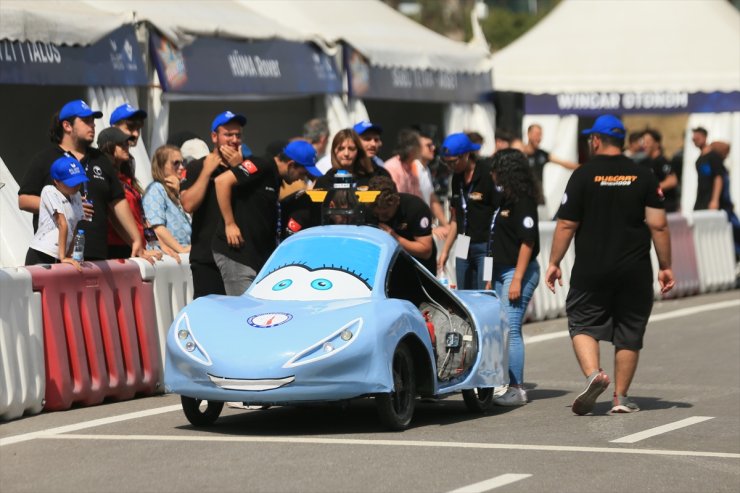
(478, 400)
(397, 407)
(201, 413)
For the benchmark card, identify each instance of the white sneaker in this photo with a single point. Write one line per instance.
(515, 396)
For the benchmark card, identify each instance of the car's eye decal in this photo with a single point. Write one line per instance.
(282, 285)
(321, 284)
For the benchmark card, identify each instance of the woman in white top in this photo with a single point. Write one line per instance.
(59, 213)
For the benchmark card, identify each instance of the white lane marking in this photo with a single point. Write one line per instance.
(491, 484)
(683, 312)
(88, 424)
(658, 430)
(390, 443)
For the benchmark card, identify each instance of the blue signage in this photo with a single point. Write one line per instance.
(115, 60)
(224, 66)
(596, 103)
(404, 84)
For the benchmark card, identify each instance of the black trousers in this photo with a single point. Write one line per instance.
(206, 279)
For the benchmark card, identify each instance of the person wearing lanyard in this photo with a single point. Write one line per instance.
(250, 227)
(471, 210)
(515, 246)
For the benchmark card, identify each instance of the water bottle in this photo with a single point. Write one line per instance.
(78, 250)
(442, 278)
(152, 242)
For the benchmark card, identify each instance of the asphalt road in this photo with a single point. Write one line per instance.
(685, 439)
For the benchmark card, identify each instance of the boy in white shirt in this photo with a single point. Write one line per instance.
(59, 213)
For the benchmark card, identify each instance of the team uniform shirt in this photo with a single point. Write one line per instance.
(298, 212)
(608, 197)
(326, 182)
(662, 168)
(102, 189)
(516, 223)
(160, 210)
(254, 201)
(46, 239)
(473, 203)
(413, 219)
(133, 198)
(206, 217)
(708, 167)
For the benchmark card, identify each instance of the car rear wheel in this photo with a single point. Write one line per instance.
(478, 400)
(199, 412)
(397, 407)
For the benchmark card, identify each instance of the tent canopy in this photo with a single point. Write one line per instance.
(386, 37)
(626, 46)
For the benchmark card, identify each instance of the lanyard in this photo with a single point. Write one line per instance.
(279, 222)
(464, 203)
(489, 248)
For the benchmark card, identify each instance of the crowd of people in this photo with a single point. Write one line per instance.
(229, 209)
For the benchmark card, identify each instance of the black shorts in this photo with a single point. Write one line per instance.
(619, 314)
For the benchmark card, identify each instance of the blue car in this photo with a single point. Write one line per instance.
(338, 313)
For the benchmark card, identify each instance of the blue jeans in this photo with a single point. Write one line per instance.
(515, 313)
(469, 271)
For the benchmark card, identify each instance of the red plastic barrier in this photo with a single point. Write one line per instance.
(684, 257)
(100, 333)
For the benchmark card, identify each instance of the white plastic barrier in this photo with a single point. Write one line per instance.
(544, 304)
(173, 289)
(22, 373)
(715, 250)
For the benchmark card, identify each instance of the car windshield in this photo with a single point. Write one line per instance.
(319, 268)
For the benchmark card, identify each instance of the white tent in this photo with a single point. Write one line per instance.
(635, 47)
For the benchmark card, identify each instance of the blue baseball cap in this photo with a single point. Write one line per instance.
(607, 125)
(226, 117)
(457, 144)
(69, 171)
(124, 112)
(303, 153)
(77, 108)
(364, 126)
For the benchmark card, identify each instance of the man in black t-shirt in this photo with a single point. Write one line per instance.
(613, 207)
(661, 168)
(198, 197)
(537, 157)
(250, 224)
(407, 218)
(471, 211)
(72, 132)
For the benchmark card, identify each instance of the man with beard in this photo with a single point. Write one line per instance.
(613, 207)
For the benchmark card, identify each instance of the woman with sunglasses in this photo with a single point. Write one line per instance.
(162, 205)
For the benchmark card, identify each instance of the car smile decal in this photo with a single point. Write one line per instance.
(266, 320)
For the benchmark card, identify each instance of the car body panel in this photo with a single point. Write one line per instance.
(270, 345)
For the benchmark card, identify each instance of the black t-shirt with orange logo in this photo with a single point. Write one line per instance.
(516, 222)
(254, 200)
(608, 196)
(473, 203)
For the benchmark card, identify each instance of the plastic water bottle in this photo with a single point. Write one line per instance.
(78, 250)
(442, 278)
(152, 242)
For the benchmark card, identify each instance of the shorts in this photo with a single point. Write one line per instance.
(619, 315)
(206, 279)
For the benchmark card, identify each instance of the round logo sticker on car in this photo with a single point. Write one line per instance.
(266, 320)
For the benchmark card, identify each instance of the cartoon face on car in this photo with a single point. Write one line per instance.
(301, 283)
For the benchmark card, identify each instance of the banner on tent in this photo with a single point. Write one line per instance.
(223, 66)
(595, 103)
(115, 60)
(372, 82)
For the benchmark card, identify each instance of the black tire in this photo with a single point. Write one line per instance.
(478, 400)
(191, 408)
(397, 407)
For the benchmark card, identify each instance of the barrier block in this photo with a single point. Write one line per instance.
(715, 250)
(22, 382)
(683, 252)
(100, 337)
(546, 305)
(173, 289)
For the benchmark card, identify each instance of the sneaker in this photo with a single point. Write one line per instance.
(623, 404)
(515, 396)
(597, 382)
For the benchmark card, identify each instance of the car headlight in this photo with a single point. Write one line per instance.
(188, 344)
(336, 342)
